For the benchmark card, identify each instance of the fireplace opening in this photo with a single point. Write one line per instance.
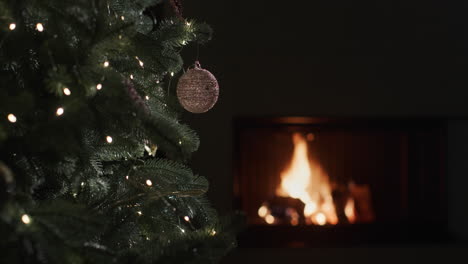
(321, 181)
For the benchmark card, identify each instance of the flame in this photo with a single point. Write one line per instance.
(350, 211)
(305, 180)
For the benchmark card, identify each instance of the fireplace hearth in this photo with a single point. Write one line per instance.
(306, 181)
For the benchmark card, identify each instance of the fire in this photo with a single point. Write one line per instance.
(305, 180)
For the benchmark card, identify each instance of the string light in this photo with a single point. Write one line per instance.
(106, 64)
(59, 111)
(139, 213)
(187, 219)
(120, 36)
(12, 118)
(109, 139)
(12, 26)
(213, 232)
(147, 98)
(126, 177)
(180, 142)
(131, 76)
(26, 219)
(149, 182)
(172, 73)
(188, 24)
(123, 18)
(139, 61)
(184, 42)
(99, 86)
(39, 27)
(66, 91)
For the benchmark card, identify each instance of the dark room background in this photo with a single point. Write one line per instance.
(334, 59)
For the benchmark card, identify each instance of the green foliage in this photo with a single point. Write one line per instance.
(87, 84)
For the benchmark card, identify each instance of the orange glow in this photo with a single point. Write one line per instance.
(350, 211)
(270, 219)
(262, 211)
(305, 180)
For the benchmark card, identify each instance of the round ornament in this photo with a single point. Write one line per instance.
(197, 90)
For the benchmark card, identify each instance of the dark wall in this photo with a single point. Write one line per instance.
(329, 58)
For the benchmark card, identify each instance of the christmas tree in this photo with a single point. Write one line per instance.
(93, 158)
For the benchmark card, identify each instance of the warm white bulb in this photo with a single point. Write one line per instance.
(123, 18)
(12, 26)
(66, 91)
(180, 142)
(82, 183)
(131, 76)
(39, 27)
(172, 73)
(120, 36)
(126, 177)
(149, 182)
(213, 232)
(187, 219)
(12, 118)
(99, 86)
(139, 213)
(141, 63)
(184, 42)
(109, 139)
(106, 64)
(188, 24)
(59, 111)
(26, 219)
(147, 98)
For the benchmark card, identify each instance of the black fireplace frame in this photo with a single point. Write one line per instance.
(408, 231)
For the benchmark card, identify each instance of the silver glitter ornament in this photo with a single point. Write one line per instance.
(197, 90)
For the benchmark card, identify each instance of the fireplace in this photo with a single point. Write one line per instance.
(306, 181)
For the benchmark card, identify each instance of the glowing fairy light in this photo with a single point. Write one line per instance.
(139, 213)
(122, 18)
(39, 27)
(109, 139)
(131, 76)
(12, 26)
(139, 61)
(180, 142)
(26, 219)
(149, 182)
(12, 118)
(187, 219)
(126, 177)
(106, 64)
(213, 232)
(184, 42)
(147, 98)
(99, 86)
(59, 111)
(66, 91)
(172, 73)
(188, 24)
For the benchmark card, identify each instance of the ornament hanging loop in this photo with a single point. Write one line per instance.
(197, 65)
